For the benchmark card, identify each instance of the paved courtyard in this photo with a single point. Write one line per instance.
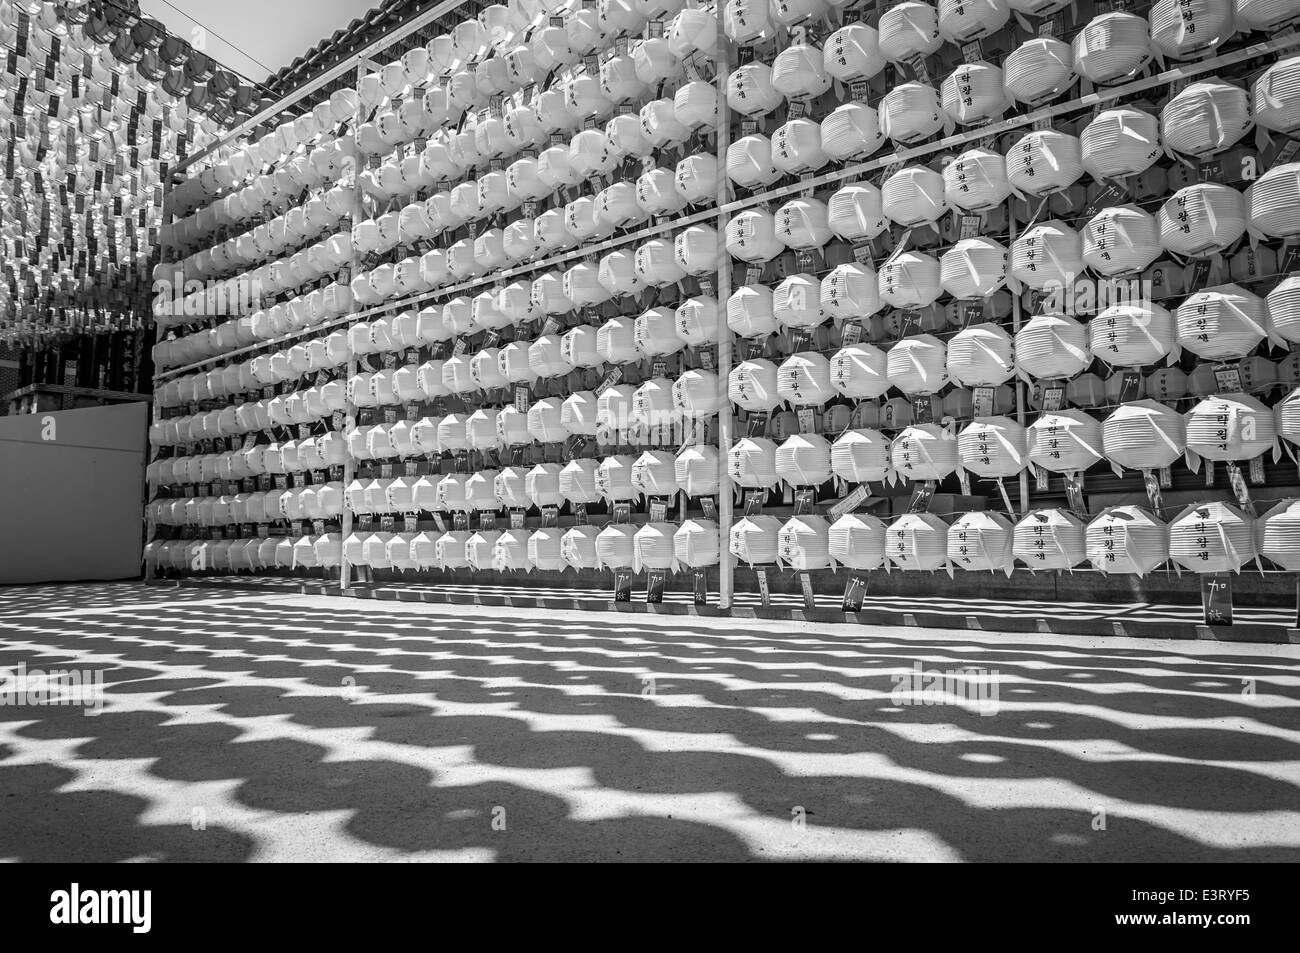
(249, 727)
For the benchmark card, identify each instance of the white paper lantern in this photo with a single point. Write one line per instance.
(992, 447)
(910, 112)
(917, 542)
(1212, 537)
(861, 456)
(1205, 117)
(923, 452)
(1222, 324)
(1273, 201)
(1038, 70)
(1050, 539)
(976, 179)
(1064, 441)
(1111, 47)
(918, 365)
(851, 131)
(1132, 335)
(1180, 30)
(754, 539)
(1230, 427)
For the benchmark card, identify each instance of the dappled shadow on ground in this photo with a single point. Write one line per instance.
(597, 739)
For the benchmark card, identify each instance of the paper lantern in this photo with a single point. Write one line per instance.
(697, 471)
(980, 542)
(652, 404)
(510, 551)
(546, 357)
(749, 162)
(1273, 201)
(545, 421)
(1277, 535)
(1126, 539)
(850, 292)
(1044, 161)
(1132, 335)
(1038, 70)
(697, 394)
(796, 302)
(751, 461)
(857, 541)
(804, 460)
(578, 548)
(1222, 324)
(1111, 47)
(1120, 240)
(578, 482)
(861, 456)
(544, 549)
(751, 236)
(1212, 537)
(578, 413)
(917, 541)
(908, 29)
(1205, 117)
(909, 280)
(976, 179)
(1047, 256)
(1276, 96)
(1230, 427)
(974, 93)
(579, 347)
(542, 484)
(1183, 29)
(992, 447)
(1202, 219)
(616, 341)
(855, 213)
(750, 91)
(802, 223)
(653, 473)
(804, 380)
(509, 487)
(1143, 435)
(923, 452)
(910, 112)
(859, 371)
(918, 365)
(913, 196)
(652, 546)
(1050, 539)
(1064, 441)
(851, 131)
(803, 543)
(754, 539)
(695, 543)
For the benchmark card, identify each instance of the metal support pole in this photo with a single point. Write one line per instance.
(726, 565)
(1021, 393)
(350, 465)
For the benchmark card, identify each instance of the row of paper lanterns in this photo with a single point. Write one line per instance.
(1197, 220)
(660, 546)
(1107, 49)
(1140, 435)
(1210, 537)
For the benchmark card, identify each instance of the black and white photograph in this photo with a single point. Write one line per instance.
(654, 432)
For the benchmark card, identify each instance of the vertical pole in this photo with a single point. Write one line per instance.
(358, 213)
(155, 410)
(726, 565)
(1021, 393)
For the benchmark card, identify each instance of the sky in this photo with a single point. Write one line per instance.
(255, 37)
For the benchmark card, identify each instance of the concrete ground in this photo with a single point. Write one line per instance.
(242, 727)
